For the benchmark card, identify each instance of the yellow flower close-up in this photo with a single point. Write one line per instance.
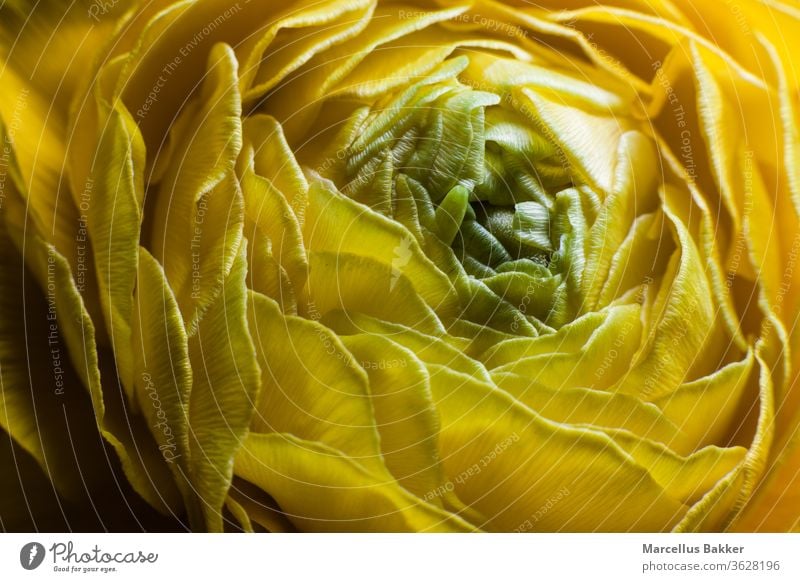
(389, 266)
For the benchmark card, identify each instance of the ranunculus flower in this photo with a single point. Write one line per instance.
(436, 265)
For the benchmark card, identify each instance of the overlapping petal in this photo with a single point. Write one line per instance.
(446, 265)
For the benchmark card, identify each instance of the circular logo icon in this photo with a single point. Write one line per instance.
(31, 555)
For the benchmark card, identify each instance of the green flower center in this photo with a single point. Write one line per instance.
(472, 168)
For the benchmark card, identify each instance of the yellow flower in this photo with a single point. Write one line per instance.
(444, 265)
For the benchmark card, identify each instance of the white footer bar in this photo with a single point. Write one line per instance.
(390, 557)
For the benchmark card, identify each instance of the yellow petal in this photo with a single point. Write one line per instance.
(322, 490)
(163, 375)
(405, 415)
(312, 386)
(225, 385)
(193, 202)
(508, 462)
